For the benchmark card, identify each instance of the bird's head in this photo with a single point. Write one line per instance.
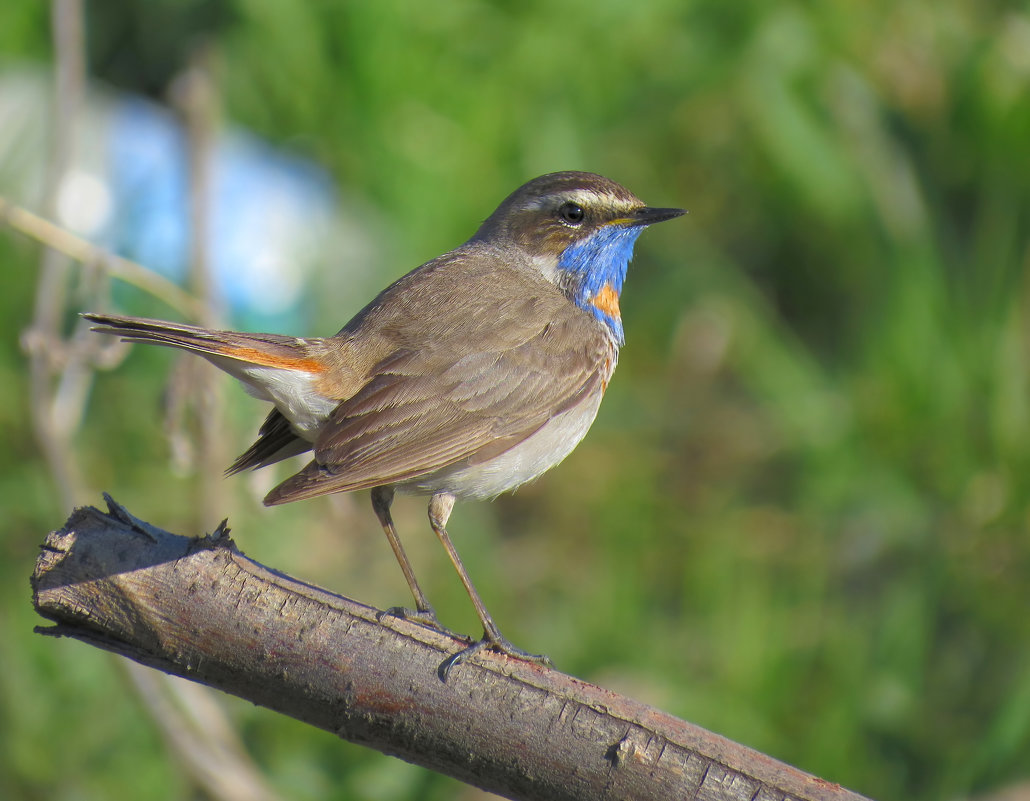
(578, 229)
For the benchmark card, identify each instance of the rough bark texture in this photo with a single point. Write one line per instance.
(199, 608)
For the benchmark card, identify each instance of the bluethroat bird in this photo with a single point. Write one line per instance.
(466, 378)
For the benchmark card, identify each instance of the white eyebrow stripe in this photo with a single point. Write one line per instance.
(584, 197)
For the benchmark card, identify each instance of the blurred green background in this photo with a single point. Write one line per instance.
(801, 518)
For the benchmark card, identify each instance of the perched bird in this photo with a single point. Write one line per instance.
(467, 377)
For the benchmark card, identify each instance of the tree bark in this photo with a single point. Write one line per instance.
(200, 609)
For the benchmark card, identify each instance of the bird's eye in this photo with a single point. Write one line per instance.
(571, 213)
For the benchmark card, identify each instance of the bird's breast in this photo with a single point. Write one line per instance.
(606, 301)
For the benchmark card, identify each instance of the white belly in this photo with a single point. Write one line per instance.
(538, 454)
(294, 392)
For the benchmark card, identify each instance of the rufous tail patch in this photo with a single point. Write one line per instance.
(255, 356)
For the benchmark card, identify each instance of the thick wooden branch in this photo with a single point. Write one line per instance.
(199, 608)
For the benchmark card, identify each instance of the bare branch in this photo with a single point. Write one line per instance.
(77, 248)
(197, 730)
(199, 608)
(195, 96)
(60, 378)
(44, 341)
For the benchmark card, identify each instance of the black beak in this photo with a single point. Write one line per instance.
(650, 216)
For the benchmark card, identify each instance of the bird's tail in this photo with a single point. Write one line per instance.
(270, 367)
(265, 350)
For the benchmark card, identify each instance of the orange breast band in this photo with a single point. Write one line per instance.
(607, 300)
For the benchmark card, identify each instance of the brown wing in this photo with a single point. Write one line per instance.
(506, 352)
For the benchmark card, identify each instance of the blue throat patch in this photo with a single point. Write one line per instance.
(597, 266)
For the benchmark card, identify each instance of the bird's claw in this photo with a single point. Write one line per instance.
(424, 617)
(492, 643)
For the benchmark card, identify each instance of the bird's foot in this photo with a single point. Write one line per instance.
(493, 642)
(425, 617)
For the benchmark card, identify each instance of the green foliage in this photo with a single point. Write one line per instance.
(801, 517)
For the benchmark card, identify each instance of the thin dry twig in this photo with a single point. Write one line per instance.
(48, 353)
(196, 727)
(61, 371)
(195, 96)
(86, 253)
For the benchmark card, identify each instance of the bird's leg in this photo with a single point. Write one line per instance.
(382, 498)
(440, 506)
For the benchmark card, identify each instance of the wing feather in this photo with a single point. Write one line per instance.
(276, 441)
(481, 384)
